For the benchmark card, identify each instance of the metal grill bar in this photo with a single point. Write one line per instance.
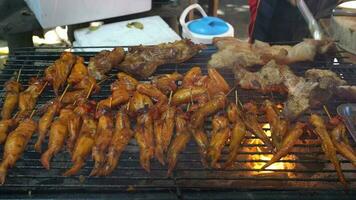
(312, 170)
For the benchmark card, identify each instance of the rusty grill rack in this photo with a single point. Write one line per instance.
(312, 172)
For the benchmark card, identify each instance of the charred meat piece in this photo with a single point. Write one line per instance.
(58, 72)
(327, 145)
(45, 122)
(143, 61)
(83, 146)
(102, 143)
(104, 61)
(15, 145)
(219, 137)
(167, 83)
(13, 89)
(57, 136)
(121, 138)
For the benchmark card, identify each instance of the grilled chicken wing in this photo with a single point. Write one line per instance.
(158, 135)
(337, 135)
(180, 141)
(57, 136)
(145, 138)
(253, 125)
(278, 126)
(121, 138)
(15, 145)
(203, 144)
(5, 126)
(126, 81)
(186, 95)
(45, 122)
(216, 83)
(102, 143)
(219, 137)
(137, 102)
(58, 73)
(287, 143)
(191, 77)
(119, 96)
(28, 98)
(167, 83)
(215, 104)
(13, 89)
(78, 72)
(83, 146)
(155, 94)
(327, 145)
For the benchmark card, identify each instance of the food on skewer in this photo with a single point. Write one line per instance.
(121, 138)
(83, 146)
(278, 126)
(13, 89)
(58, 72)
(232, 50)
(180, 141)
(57, 135)
(81, 90)
(191, 77)
(45, 122)
(287, 144)
(15, 145)
(186, 95)
(327, 145)
(216, 83)
(167, 82)
(78, 73)
(137, 102)
(219, 136)
(143, 61)
(28, 97)
(252, 124)
(202, 141)
(5, 126)
(104, 61)
(238, 132)
(103, 139)
(155, 94)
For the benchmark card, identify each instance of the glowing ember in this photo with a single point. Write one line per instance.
(267, 157)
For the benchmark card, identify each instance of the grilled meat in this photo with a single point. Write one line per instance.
(155, 94)
(202, 141)
(57, 136)
(327, 145)
(219, 137)
(143, 61)
(78, 72)
(138, 102)
(13, 89)
(186, 95)
(45, 122)
(5, 126)
(167, 83)
(15, 145)
(191, 77)
(180, 141)
(58, 72)
(104, 61)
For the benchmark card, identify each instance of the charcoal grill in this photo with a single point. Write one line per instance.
(312, 176)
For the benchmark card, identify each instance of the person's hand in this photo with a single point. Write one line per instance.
(293, 2)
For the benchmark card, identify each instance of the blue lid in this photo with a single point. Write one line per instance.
(208, 26)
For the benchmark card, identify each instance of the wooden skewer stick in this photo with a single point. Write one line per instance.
(237, 100)
(232, 89)
(327, 111)
(170, 97)
(188, 106)
(64, 92)
(18, 75)
(32, 113)
(44, 86)
(106, 78)
(90, 90)
(191, 97)
(110, 102)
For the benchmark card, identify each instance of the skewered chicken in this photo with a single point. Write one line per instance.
(327, 145)
(238, 132)
(167, 83)
(202, 141)
(78, 72)
(126, 81)
(122, 136)
(83, 146)
(287, 144)
(137, 102)
(191, 77)
(143, 61)
(15, 145)
(180, 141)
(253, 125)
(232, 51)
(81, 90)
(278, 126)
(215, 104)
(216, 83)
(45, 122)
(186, 95)
(102, 142)
(219, 137)
(5, 126)
(104, 61)
(13, 89)
(28, 98)
(58, 73)
(155, 94)
(57, 136)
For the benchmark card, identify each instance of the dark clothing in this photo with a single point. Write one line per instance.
(279, 21)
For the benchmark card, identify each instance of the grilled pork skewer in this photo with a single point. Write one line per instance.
(327, 145)
(13, 89)
(57, 136)
(180, 141)
(287, 144)
(15, 145)
(121, 138)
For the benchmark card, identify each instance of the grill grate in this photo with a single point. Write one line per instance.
(312, 171)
